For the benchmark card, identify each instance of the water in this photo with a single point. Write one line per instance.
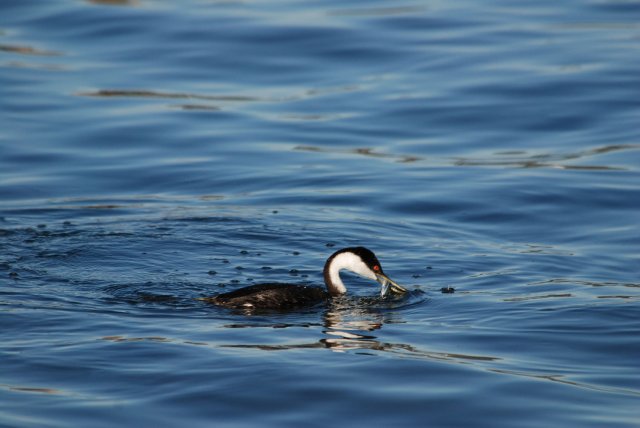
(153, 152)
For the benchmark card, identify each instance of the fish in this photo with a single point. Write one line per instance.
(389, 285)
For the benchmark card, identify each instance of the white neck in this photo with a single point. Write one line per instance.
(348, 261)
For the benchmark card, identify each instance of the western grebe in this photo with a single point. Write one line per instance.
(358, 260)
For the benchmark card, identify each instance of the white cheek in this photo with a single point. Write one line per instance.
(363, 270)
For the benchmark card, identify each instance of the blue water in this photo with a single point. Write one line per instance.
(153, 152)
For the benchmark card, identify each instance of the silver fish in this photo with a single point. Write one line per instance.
(389, 285)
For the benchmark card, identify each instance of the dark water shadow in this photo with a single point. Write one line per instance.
(28, 50)
(114, 2)
(298, 95)
(136, 93)
(511, 159)
(521, 159)
(195, 107)
(589, 283)
(559, 378)
(33, 390)
(365, 151)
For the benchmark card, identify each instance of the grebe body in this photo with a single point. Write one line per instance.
(272, 296)
(288, 296)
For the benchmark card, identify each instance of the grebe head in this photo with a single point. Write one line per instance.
(358, 260)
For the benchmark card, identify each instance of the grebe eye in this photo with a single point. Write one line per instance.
(376, 268)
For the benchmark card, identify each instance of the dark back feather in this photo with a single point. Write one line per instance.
(272, 296)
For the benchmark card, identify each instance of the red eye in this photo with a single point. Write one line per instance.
(376, 268)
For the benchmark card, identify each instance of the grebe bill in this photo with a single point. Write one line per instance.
(358, 260)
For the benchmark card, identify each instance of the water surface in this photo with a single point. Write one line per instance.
(155, 152)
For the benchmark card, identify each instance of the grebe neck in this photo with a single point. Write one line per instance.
(339, 261)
